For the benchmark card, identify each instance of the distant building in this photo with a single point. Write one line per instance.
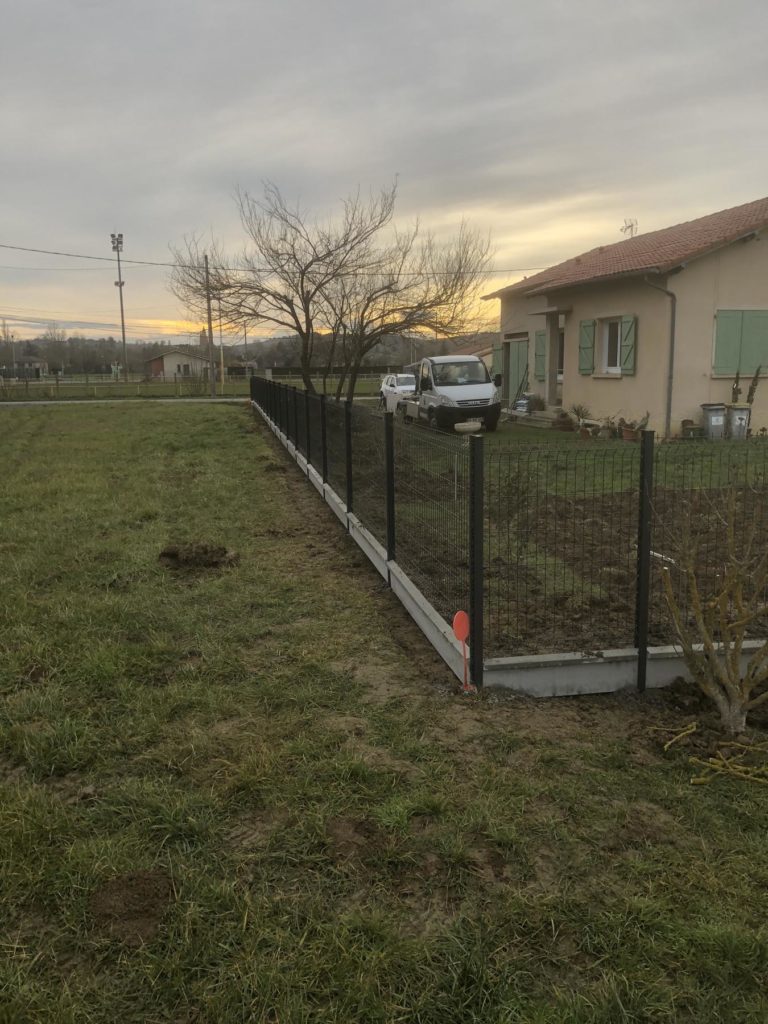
(26, 368)
(178, 362)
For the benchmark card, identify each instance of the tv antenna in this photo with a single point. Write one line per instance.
(630, 227)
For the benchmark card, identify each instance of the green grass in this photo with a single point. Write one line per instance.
(334, 834)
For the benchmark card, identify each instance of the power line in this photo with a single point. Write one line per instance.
(158, 263)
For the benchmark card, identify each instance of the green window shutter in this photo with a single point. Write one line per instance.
(727, 341)
(754, 340)
(587, 347)
(628, 344)
(497, 361)
(539, 355)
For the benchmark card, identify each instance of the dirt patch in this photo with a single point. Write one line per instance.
(349, 725)
(352, 840)
(197, 555)
(253, 831)
(647, 823)
(381, 682)
(130, 907)
(490, 866)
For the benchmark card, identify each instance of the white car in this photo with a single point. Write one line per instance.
(394, 387)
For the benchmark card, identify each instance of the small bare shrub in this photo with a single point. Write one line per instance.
(722, 615)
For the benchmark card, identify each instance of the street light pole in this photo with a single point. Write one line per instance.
(211, 362)
(117, 246)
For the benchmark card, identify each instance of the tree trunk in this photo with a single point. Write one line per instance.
(733, 718)
(340, 385)
(353, 372)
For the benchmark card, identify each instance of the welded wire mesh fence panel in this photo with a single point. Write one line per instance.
(336, 447)
(301, 421)
(709, 513)
(431, 515)
(315, 432)
(560, 548)
(369, 471)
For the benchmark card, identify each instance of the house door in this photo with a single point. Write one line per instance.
(515, 368)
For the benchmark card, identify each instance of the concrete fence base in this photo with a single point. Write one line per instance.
(537, 675)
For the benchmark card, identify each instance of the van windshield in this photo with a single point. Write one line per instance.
(448, 374)
(405, 379)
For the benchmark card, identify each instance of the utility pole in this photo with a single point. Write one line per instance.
(211, 362)
(117, 246)
(245, 342)
(221, 346)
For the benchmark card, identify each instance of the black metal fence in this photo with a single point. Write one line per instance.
(552, 548)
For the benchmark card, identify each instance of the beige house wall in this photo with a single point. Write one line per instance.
(735, 277)
(732, 278)
(516, 318)
(612, 395)
(197, 366)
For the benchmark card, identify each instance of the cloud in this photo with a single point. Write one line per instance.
(545, 121)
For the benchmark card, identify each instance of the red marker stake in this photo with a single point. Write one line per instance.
(461, 632)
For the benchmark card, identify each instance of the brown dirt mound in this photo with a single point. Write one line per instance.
(130, 907)
(197, 555)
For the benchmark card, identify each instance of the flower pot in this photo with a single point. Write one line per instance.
(630, 434)
(585, 432)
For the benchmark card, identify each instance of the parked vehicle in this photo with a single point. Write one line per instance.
(451, 390)
(394, 387)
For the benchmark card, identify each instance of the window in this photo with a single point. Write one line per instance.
(406, 380)
(611, 346)
(460, 372)
(608, 346)
(425, 376)
(178, 367)
(185, 370)
(741, 341)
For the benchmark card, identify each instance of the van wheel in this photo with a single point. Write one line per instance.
(432, 419)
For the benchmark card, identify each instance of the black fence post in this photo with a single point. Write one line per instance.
(324, 439)
(307, 431)
(295, 418)
(642, 600)
(348, 451)
(476, 558)
(389, 451)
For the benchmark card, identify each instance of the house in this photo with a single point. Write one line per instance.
(481, 346)
(661, 322)
(26, 368)
(178, 362)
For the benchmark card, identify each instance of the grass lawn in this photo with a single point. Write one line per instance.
(251, 793)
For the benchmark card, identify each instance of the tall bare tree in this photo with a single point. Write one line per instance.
(289, 260)
(411, 286)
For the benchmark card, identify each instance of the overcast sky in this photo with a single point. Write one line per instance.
(545, 122)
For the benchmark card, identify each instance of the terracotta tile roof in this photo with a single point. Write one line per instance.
(656, 251)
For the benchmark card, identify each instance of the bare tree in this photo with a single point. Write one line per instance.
(411, 286)
(288, 262)
(726, 603)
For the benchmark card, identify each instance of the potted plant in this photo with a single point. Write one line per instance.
(630, 430)
(581, 413)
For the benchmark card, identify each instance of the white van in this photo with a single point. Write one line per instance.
(451, 390)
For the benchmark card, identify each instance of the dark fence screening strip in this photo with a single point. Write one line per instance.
(572, 551)
(431, 515)
(314, 431)
(336, 447)
(561, 532)
(369, 471)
